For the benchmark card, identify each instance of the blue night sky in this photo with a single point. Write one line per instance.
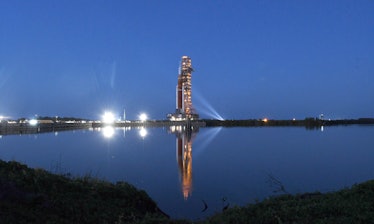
(252, 59)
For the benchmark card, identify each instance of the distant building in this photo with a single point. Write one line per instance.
(184, 109)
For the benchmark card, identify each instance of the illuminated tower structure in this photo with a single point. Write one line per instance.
(184, 108)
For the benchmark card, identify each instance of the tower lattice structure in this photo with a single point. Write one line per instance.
(184, 89)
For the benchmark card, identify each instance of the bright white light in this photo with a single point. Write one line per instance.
(108, 118)
(3, 118)
(108, 132)
(143, 132)
(33, 122)
(143, 117)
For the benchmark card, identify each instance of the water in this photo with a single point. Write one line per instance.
(220, 166)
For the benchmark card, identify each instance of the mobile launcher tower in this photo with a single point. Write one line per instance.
(184, 109)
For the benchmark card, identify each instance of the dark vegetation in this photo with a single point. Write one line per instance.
(54, 119)
(355, 205)
(37, 196)
(308, 123)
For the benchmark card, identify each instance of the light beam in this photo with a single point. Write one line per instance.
(207, 108)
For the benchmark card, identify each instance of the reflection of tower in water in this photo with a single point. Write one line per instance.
(184, 156)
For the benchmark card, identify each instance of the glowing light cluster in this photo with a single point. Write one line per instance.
(33, 122)
(143, 117)
(108, 118)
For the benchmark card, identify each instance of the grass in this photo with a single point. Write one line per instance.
(37, 196)
(354, 205)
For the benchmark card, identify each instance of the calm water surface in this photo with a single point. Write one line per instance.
(221, 166)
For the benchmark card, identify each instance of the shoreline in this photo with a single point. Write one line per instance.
(35, 195)
(19, 127)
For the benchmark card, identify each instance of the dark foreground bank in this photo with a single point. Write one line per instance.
(354, 205)
(37, 196)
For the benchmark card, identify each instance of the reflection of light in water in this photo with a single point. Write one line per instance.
(322, 128)
(207, 137)
(184, 159)
(143, 132)
(174, 128)
(207, 108)
(108, 132)
(124, 131)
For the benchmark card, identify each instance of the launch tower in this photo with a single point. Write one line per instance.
(184, 108)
